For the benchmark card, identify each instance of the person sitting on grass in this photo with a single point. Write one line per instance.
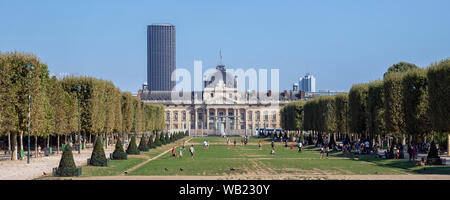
(422, 162)
(273, 151)
(234, 142)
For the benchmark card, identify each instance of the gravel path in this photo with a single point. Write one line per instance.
(20, 170)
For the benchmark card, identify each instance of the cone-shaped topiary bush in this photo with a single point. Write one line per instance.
(143, 145)
(98, 157)
(157, 142)
(119, 153)
(67, 165)
(150, 143)
(433, 155)
(162, 140)
(132, 147)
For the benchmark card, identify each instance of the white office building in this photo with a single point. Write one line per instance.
(307, 83)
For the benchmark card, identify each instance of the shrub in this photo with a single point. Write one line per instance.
(132, 147)
(119, 153)
(98, 157)
(143, 145)
(433, 156)
(67, 165)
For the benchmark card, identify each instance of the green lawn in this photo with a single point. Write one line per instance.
(218, 160)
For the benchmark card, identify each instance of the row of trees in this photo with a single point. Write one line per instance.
(57, 105)
(409, 103)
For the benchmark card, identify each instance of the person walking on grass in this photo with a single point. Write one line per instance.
(327, 149)
(300, 146)
(180, 154)
(321, 152)
(173, 152)
(260, 145)
(191, 150)
(234, 142)
(273, 144)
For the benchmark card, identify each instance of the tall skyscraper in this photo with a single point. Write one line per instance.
(160, 56)
(307, 83)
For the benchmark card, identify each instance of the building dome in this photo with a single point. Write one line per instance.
(220, 75)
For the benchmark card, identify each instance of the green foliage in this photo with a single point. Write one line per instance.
(119, 153)
(400, 67)
(357, 108)
(67, 165)
(98, 157)
(439, 94)
(415, 102)
(375, 108)
(143, 146)
(132, 147)
(292, 115)
(341, 113)
(393, 114)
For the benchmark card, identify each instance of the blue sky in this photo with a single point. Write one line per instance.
(340, 42)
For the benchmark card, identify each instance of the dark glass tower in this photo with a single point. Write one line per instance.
(160, 56)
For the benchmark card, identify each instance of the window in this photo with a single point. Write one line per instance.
(184, 116)
(211, 115)
(230, 95)
(250, 115)
(175, 116)
(212, 94)
(168, 116)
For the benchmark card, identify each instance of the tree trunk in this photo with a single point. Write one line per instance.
(9, 141)
(35, 147)
(14, 146)
(21, 140)
(84, 140)
(57, 144)
(48, 141)
(448, 144)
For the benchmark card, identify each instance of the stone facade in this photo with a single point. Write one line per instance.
(220, 109)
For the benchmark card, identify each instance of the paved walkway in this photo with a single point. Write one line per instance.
(20, 170)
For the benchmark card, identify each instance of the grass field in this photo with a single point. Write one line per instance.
(220, 160)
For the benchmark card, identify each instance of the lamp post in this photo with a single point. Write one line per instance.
(79, 119)
(29, 67)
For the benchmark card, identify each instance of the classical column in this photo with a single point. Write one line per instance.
(196, 119)
(207, 118)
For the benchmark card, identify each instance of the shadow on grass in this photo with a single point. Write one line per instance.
(408, 166)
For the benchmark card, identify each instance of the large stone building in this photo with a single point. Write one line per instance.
(220, 108)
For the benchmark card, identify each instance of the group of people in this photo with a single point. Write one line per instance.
(180, 154)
